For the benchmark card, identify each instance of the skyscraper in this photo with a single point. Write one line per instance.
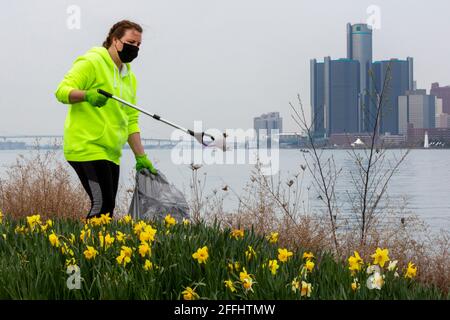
(341, 89)
(400, 80)
(317, 98)
(334, 96)
(359, 48)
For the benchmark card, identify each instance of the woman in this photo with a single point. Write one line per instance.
(96, 128)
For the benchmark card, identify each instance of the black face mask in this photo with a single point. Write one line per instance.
(128, 53)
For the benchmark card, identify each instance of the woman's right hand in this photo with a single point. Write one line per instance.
(94, 98)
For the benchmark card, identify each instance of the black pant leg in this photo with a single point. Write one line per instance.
(79, 168)
(100, 179)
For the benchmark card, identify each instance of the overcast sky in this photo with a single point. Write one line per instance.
(220, 61)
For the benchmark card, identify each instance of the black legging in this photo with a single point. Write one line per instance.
(100, 179)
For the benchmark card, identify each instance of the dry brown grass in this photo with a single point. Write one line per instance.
(42, 184)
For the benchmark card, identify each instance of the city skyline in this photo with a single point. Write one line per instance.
(344, 91)
(219, 62)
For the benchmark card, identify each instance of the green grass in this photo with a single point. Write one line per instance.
(31, 268)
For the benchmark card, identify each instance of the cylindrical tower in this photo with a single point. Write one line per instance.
(359, 47)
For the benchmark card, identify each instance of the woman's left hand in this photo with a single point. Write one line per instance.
(142, 162)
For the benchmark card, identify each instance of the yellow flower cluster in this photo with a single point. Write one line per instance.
(104, 219)
(376, 279)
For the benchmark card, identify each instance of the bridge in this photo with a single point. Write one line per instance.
(146, 142)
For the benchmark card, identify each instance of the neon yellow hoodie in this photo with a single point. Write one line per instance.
(92, 133)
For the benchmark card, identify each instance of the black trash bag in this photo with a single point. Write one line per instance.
(154, 197)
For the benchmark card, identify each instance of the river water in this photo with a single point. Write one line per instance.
(421, 184)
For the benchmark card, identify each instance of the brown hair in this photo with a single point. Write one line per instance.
(118, 30)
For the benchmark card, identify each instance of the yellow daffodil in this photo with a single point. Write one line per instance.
(120, 236)
(230, 285)
(186, 222)
(147, 234)
(108, 241)
(105, 218)
(247, 280)
(237, 233)
(273, 237)
(309, 265)
(49, 223)
(308, 255)
(125, 256)
(189, 294)
(306, 289)
(34, 221)
(169, 220)
(95, 221)
(20, 229)
(380, 257)
(248, 284)
(54, 240)
(90, 253)
(284, 255)
(148, 265)
(144, 249)
(273, 266)
(411, 271)
(126, 219)
(139, 227)
(243, 274)
(355, 262)
(250, 253)
(201, 255)
(1, 216)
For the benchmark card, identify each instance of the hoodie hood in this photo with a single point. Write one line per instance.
(126, 68)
